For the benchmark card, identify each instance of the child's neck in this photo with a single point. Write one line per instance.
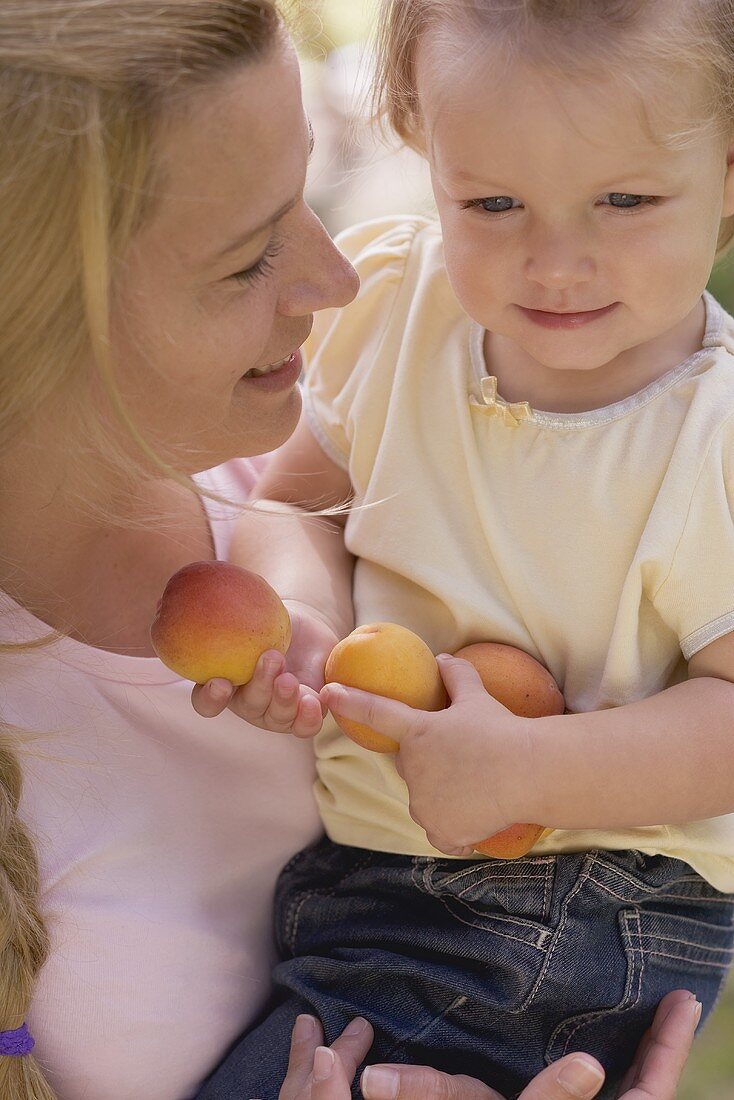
(520, 377)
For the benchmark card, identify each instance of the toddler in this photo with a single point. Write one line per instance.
(532, 406)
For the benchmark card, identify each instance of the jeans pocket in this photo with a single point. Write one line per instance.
(511, 895)
(582, 1031)
(682, 946)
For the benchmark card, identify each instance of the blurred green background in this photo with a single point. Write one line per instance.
(353, 178)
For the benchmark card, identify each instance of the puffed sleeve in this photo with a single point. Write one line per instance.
(696, 598)
(345, 343)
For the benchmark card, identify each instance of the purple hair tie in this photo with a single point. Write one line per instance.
(14, 1044)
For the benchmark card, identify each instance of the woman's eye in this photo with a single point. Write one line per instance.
(620, 200)
(262, 268)
(495, 204)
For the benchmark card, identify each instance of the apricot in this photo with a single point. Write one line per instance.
(515, 679)
(526, 688)
(215, 619)
(389, 660)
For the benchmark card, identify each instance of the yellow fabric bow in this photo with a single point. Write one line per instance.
(492, 405)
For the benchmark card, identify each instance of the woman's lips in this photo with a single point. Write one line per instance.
(275, 381)
(547, 319)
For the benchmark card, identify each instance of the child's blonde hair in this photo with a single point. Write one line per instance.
(84, 85)
(585, 36)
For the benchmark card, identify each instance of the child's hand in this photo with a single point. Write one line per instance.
(282, 695)
(468, 768)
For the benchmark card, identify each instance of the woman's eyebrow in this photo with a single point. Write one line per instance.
(240, 242)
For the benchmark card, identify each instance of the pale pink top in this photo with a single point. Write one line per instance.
(160, 836)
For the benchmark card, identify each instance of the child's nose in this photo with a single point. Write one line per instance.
(559, 265)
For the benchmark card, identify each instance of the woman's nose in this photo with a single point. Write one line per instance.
(320, 278)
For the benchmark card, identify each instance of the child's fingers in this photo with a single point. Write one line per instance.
(460, 677)
(211, 698)
(394, 719)
(283, 706)
(252, 700)
(310, 716)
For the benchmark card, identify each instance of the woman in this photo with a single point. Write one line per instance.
(159, 272)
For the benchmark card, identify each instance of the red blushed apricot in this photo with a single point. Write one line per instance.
(526, 688)
(215, 619)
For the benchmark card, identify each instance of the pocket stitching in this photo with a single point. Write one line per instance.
(290, 931)
(640, 884)
(492, 866)
(583, 876)
(422, 880)
(635, 970)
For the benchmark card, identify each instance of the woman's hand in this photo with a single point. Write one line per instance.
(283, 694)
(318, 1073)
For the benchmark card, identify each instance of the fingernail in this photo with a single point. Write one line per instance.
(356, 1027)
(323, 1063)
(379, 1083)
(335, 694)
(304, 1029)
(697, 1013)
(443, 656)
(580, 1078)
(219, 690)
(271, 665)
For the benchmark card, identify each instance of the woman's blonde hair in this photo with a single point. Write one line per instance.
(568, 36)
(84, 85)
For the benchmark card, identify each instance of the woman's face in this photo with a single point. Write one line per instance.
(222, 283)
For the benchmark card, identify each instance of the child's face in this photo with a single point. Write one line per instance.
(186, 328)
(555, 196)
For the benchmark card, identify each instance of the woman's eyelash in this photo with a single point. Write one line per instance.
(262, 268)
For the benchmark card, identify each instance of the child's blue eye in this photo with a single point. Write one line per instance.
(262, 268)
(620, 200)
(495, 204)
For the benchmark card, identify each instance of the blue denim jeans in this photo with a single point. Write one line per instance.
(493, 968)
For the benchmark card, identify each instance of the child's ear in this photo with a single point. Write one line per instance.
(729, 183)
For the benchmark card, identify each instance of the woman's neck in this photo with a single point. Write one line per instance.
(95, 580)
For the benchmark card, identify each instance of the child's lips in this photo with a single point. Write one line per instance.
(552, 319)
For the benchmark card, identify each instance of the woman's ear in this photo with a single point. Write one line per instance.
(728, 209)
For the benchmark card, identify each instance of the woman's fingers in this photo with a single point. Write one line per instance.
(665, 1049)
(576, 1075)
(334, 1067)
(385, 1082)
(306, 1037)
(316, 1072)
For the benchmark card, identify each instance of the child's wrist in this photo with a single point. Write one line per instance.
(314, 613)
(526, 785)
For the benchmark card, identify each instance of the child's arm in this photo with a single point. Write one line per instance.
(301, 555)
(305, 560)
(475, 768)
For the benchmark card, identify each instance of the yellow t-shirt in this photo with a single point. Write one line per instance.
(600, 542)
